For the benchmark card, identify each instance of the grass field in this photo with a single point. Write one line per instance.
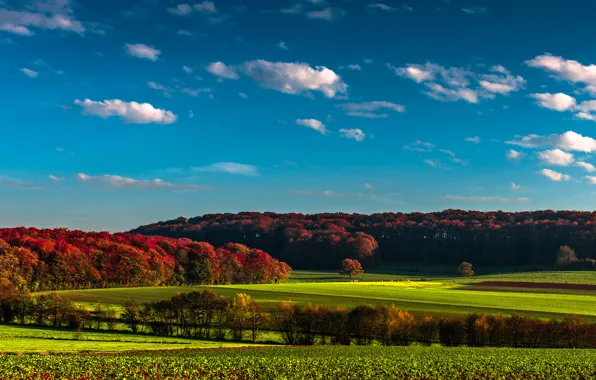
(46, 339)
(324, 362)
(447, 296)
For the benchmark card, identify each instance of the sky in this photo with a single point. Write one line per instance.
(116, 114)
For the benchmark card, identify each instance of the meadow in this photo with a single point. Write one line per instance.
(437, 295)
(325, 362)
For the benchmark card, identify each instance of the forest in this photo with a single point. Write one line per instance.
(322, 241)
(52, 259)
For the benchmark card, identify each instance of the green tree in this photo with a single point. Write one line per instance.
(132, 315)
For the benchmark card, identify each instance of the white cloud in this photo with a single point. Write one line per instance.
(314, 124)
(18, 22)
(568, 141)
(591, 179)
(368, 186)
(30, 73)
(16, 29)
(230, 168)
(55, 178)
(586, 166)
(484, 199)
(187, 69)
(242, 95)
(366, 109)
(453, 157)
(221, 70)
(142, 51)
(475, 10)
(181, 10)
(556, 157)
(514, 154)
(455, 83)
(354, 67)
(558, 102)
(295, 78)
(205, 7)
(328, 14)
(354, 134)
(381, 7)
(515, 186)
(330, 193)
(368, 61)
(420, 146)
(14, 182)
(130, 112)
(119, 182)
(433, 163)
(553, 175)
(183, 32)
(282, 45)
(474, 140)
(566, 69)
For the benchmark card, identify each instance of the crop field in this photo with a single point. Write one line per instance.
(435, 296)
(46, 339)
(311, 363)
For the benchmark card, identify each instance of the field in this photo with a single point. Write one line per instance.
(437, 295)
(312, 363)
(45, 339)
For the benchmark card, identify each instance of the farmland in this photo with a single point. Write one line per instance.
(438, 295)
(313, 363)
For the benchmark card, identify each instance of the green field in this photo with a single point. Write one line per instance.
(324, 362)
(447, 296)
(14, 338)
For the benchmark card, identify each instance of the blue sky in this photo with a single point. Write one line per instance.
(121, 113)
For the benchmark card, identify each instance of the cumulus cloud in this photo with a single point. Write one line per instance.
(230, 168)
(475, 10)
(328, 14)
(484, 199)
(354, 134)
(142, 51)
(368, 109)
(20, 22)
(313, 124)
(187, 69)
(453, 157)
(330, 193)
(205, 7)
(456, 83)
(282, 45)
(420, 146)
(568, 141)
(515, 186)
(295, 78)
(556, 157)
(54, 178)
(586, 166)
(120, 182)
(30, 73)
(433, 163)
(591, 179)
(473, 140)
(514, 154)
(553, 175)
(16, 29)
(380, 7)
(558, 102)
(130, 112)
(221, 70)
(181, 10)
(566, 69)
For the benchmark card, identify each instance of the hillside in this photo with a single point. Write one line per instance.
(49, 259)
(321, 241)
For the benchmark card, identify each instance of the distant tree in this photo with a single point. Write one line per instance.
(465, 269)
(8, 297)
(256, 318)
(238, 315)
(566, 256)
(350, 267)
(132, 315)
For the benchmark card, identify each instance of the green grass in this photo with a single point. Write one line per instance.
(438, 296)
(324, 362)
(45, 339)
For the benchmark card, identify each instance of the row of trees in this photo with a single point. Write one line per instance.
(51, 259)
(206, 315)
(319, 241)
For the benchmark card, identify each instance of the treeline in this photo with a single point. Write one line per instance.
(320, 241)
(51, 259)
(206, 315)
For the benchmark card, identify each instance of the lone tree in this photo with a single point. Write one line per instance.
(566, 256)
(465, 269)
(350, 268)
